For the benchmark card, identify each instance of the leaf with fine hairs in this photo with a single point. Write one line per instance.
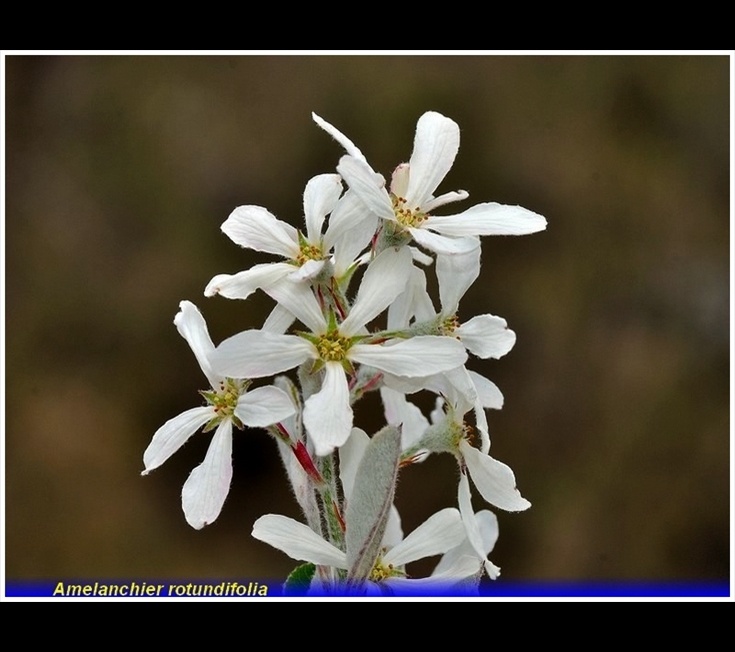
(369, 505)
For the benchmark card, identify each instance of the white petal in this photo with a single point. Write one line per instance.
(309, 270)
(457, 564)
(335, 133)
(417, 357)
(489, 532)
(264, 406)
(349, 459)
(367, 185)
(192, 327)
(297, 540)
(279, 320)
(350, 231)
(384, 279)
(393, 534)
(399, 180)
(467, 559)
(488, 219)
(492, 570)
(482, 427)
(345, 218)
(420, 257)
(207, 487)
(255, 354)
(471, 526)
(400, 411)
(413, 302)
(173, 434)
(348, 249)
(243, 284)
(320, 197)
(435, 147)
(456, 386)
(446, 198)
(439, 533)
(404, 384)
(299, 300)
(256, 228)
(488, 393)
(442, 244)
(487, 336)
(456, 273)
(488, 524)
(327, 414)
(493, 479)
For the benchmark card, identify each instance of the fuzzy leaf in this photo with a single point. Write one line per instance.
(299, 579)
(369, 505)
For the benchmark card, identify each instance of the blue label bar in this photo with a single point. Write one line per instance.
(255, 589)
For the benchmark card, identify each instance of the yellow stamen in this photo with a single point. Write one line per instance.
(332, 347)
(408, 217)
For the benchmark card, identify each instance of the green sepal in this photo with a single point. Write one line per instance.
(303, 242)
(314, 339)
(343, 281)
(332, 326)
(299, 580)
(348, 367)
(209, 395)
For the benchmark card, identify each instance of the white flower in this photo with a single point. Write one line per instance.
(411, 200)
(449, 434)
(253, 227)
(438, 534)
(229, 402)
(327, 414)
(486, 336)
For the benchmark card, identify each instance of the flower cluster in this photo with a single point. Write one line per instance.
(352, 315)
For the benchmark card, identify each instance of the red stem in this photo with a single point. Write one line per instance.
(302, 455)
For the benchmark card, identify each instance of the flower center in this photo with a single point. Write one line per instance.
(332, 347)
(382, 571)
(224, 398)
(459, 432)
(408, 217)
(308, 252)
(448, 326)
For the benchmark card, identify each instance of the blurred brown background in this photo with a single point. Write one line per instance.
(120, 170)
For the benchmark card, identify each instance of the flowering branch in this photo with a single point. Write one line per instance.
(384, 335)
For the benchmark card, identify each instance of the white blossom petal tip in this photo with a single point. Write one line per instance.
(487, 336)
(297, 540)
(494, 480)
(264, 406)
(435, 147)
(335, 133)
(172, 435)
(192, 327)
(206, 489)
(489, 218)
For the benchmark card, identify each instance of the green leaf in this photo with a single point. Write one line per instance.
(299, 580)
(369, 505)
